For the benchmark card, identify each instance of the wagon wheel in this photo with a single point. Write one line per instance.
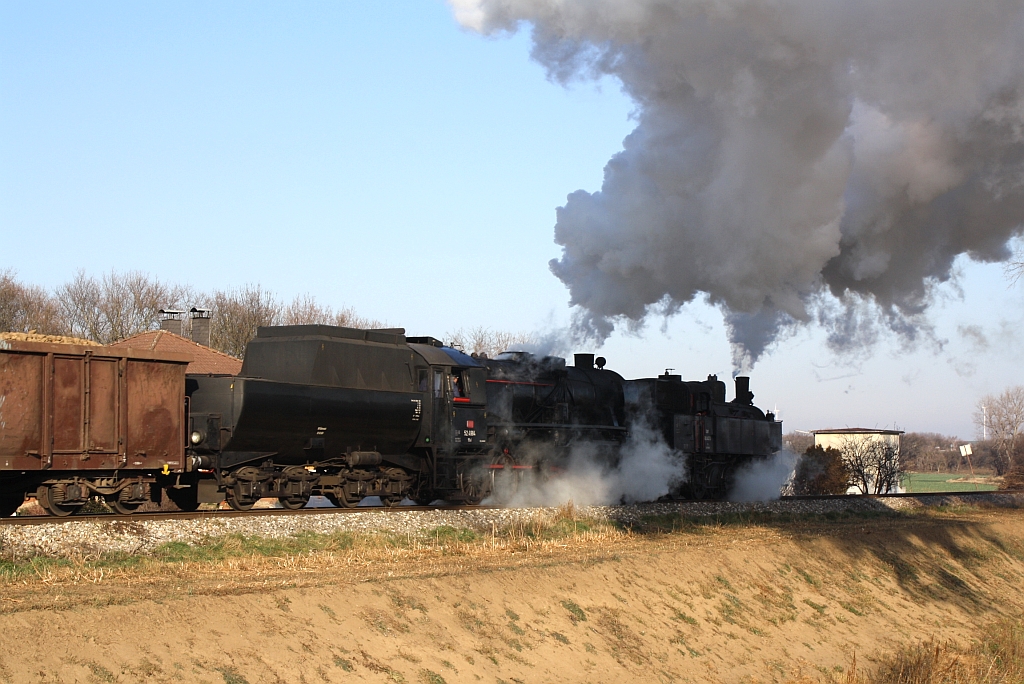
(59, 510)
(123, 507)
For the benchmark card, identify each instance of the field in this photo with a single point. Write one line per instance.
(946, 482)
(744, 598)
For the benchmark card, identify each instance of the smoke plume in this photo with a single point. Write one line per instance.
(793, 161)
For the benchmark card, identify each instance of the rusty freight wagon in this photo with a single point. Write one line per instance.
(78, 422)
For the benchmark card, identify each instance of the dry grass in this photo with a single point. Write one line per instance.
(996, 657)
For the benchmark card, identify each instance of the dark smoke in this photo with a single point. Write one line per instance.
(797, 161)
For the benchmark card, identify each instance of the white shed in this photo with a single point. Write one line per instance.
(843, 438)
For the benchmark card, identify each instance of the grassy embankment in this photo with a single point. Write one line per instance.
(996, 655)
(537, 535)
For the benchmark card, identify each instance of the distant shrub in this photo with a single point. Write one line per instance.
(820, 472)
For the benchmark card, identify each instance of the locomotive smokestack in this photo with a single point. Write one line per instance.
(583, 360)
(743, 393)
(171, 320)
(201, 326)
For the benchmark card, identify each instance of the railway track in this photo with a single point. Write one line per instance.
(263, 512)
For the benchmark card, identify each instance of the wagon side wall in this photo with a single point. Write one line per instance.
(71, 408)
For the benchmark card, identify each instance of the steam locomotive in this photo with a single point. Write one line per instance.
(346, 413)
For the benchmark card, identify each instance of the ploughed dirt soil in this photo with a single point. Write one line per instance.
(772, 602)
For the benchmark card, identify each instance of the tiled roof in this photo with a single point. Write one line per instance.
(205, 361)
(856, 431)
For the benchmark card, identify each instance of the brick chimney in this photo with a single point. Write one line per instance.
(171, 320)
(200, 326)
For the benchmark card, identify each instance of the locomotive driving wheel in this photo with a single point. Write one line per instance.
(473, 489)
(709, 482)
(505, 477)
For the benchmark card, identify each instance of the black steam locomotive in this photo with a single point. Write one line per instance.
(346, 413)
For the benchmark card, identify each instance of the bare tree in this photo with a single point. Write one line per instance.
(114, 307)
(875, 465)
(305, 310)
(488, 342)
(930, 451)
(237, 314)
(25, 308)
(1015, 266)
(798, 442)
(119, 305)
(1001, 418)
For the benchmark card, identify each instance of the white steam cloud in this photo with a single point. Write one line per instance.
(793, 160)
(646, 469)
(763, 480)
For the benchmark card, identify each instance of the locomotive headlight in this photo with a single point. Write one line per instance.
(197, 437)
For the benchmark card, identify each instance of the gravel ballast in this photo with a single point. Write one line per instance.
(90, 538)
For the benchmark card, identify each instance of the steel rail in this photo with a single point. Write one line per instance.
(195, 515)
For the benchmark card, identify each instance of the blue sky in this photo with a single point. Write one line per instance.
(377, 155)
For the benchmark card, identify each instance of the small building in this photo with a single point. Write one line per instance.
(835, 438)
(847, 439)
(205, 361)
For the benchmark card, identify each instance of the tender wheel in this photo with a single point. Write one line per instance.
(341, 499)
(293, 504)
(59, 510)
(237, 502)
